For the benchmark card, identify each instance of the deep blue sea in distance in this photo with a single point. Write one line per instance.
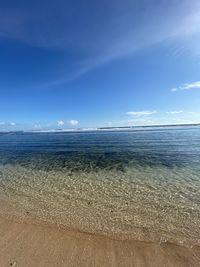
(140, 184)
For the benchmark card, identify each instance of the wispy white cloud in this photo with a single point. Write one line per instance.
(194, 113)
(60, 123)
(187, 86)
(120, 33)
(7, 124)
(141, 113)
(174, 89)
(175, 112)
(73, 122)
(118, 27)
(37, 126)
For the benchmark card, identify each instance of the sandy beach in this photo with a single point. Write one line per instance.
(27, 244)
(100, 133)
(130, 204)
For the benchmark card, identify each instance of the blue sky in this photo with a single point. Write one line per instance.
(94, 63)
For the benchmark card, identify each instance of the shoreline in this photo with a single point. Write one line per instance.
(28, 244)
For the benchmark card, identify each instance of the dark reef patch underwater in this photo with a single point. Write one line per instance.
(129, 184)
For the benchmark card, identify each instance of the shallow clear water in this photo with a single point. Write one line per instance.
(137, 184)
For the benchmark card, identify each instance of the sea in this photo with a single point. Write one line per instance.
(139, 184)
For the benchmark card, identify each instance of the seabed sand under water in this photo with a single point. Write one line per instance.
(128, 199)
(95, 222)
(141, 203)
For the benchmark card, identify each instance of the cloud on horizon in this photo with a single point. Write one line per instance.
(175, 112)
(141, 113)
(73, 122)
(7, 125)
(60, 123)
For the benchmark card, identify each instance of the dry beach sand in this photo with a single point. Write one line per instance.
(28, 244)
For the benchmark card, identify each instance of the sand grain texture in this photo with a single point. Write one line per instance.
(25, 244)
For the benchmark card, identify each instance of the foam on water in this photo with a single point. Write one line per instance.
(129, 185)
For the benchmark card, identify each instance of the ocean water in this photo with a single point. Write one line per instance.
(142, 185)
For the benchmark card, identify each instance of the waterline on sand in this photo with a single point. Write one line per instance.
(141, 203)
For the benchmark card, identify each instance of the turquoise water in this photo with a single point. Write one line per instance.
(136, 184)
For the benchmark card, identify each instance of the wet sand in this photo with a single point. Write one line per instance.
(28, 244)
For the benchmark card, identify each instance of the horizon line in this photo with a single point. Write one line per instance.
(103, 128)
